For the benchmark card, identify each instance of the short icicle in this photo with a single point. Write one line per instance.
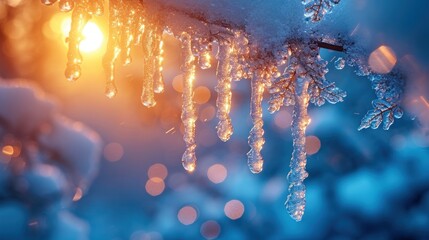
(223, 88)
(295, 203)
(79, 19)
(113, 48)
(256, 137)
(188, 108)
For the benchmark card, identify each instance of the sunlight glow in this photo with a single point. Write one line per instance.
(92, 35)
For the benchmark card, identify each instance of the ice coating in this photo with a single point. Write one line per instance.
(295, 203)
(223, 102)
(188, 108)
(256, 137)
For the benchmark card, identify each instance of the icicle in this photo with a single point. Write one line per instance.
(49, 2)
(127, 35)
(223, 102)
(205, 57)
(256, 138)
(74, 58)
(147, 97)
(96, 7)
(188, 108)
(113, 49)
(159, 54)
(295, 203)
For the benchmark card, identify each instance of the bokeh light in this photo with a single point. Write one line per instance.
(207, 113)
(178, 83)
(202, 95)
(210, 229)
(217, 173)
(283, 119)
(92, 35)
(187, 215)
(234, 209)
(157, 170)
(155, 186)
(312, 145)
(8, 150)
(113, 152)
(382, 60)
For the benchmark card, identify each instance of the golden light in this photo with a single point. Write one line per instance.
(78, 195)
(382, 60)
(217, 173)
(234, 209)
(207, 113)
(155, 186)
(157, 170)
(187, 215)
(92, 35)
(8, 150)
(113, 152)
(202, 95)
(312, 145)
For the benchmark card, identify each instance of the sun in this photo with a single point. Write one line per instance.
(92, 35)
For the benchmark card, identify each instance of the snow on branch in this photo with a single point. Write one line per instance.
(275, 44)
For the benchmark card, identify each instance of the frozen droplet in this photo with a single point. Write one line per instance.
(189, 161)
(340, 63)
(148, 101)
(66, 5)
(111, 90)
(204, 60)
(48, 2)
(72, 72)
(398, 113)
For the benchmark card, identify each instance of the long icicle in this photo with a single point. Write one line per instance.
(159, 54)
(256, 137)
(147, 97)
(295, 203)
(188, 109)
(113, 48)
(79, 19)
(223, 88)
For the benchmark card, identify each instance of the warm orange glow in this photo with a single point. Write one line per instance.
(157, 170)
(312, 145)
(217, 173)
(187, 215)
(92, 35)
(234, 209)
(207, 113)
(178, 83)
(78, 195)
(155, 186)
(113, 152)
(382, 59)
(202, 95)
(8, 150)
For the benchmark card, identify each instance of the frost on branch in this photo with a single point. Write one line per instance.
(271, 45)
(316, 9)
(389, 89)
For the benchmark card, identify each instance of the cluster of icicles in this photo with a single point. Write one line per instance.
(129, 26)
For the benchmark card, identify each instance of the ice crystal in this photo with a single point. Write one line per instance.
(283, 60)
(316, 9)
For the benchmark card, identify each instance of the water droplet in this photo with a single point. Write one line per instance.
(72, 72)
(111, 90)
